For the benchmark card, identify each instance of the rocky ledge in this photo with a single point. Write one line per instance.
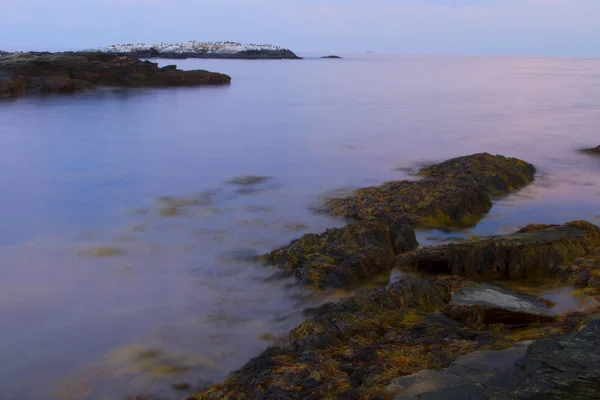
(454, 193)
(194, 49)
(593, 150)
(29, 73)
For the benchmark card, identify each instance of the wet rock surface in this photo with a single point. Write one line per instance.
(495, 305)
(29, 73)
(537, 250)
(562, 367)
(469, 377)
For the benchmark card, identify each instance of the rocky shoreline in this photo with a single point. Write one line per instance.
(456, 335)
(39, 73)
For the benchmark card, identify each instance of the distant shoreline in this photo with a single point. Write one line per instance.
(193, 49)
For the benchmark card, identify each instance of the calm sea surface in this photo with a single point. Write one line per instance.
(104, 293)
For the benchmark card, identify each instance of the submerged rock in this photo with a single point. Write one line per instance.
(456, 192)
(523, 254)
(26, 73)
(341, 256)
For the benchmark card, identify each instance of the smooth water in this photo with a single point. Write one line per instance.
(104, 293)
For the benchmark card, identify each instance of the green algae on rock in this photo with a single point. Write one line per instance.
(455, 193)
(535, 250)
(341, 256)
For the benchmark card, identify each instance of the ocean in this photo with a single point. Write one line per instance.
(127, 215)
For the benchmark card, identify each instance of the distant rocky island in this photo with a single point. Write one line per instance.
(331, 56)
(35, 73)
(193, 49)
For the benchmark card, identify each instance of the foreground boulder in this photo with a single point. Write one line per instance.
(456, 192)
(354, 349)
(472, 376)
(28, 73)
(535, 250)
(560, 367)
(341, 256)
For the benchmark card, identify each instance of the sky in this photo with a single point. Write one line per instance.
(519, 27)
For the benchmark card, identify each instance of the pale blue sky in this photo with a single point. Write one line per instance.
(531, 27)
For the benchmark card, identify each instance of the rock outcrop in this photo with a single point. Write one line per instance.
(27, 73)
(535, 250)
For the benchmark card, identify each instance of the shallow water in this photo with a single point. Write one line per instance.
(170, 298)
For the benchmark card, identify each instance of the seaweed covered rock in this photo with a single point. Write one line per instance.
(25, 73)
(497, 175)
(593, 150)
(426, 203)
(455, 193)
(341, 256)
(354, 349)
(583, 272)
(537, 251)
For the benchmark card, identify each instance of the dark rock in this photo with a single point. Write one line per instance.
(331, 56)
(469, 377)
(593, 150)
(25, 73)
(515, 256)
(562, 367)
(341, 256)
